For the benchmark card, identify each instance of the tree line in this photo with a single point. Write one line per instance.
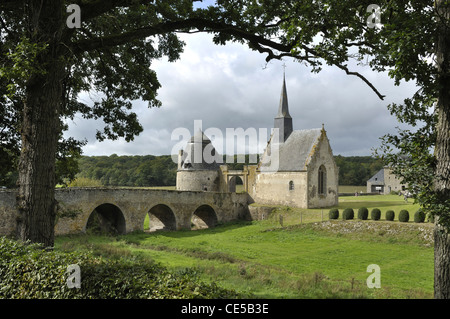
(150, 170)
(356, 170)
(133, 171)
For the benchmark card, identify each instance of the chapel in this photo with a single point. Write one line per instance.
(297, 168)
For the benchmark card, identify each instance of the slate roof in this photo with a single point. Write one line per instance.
(200, 136)
(294, 154)
(378, 178)
(198, 143)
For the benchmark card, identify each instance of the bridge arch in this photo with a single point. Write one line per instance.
(204, 217)
(108, 218)
(161, 217)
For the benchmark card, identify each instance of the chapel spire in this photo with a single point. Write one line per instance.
(283, 108)
(283, 120)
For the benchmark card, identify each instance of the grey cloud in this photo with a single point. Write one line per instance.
(231, 86)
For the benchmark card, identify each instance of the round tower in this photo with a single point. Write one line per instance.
(198, 165)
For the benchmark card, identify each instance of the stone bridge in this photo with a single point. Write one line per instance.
(125, 209)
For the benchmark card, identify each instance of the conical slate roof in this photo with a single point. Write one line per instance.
(199, 136)
(200, 154)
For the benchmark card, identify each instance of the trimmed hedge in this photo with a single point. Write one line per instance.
(390, 215)
(333, 213)
(348, 213)
(363, 213)
(28, 271)
(403, 216)
(419, 216)
(375, 214)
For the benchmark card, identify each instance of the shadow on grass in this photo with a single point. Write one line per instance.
(186, 233)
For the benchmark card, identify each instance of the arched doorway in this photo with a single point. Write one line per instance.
(233, 182)
(106, 218)
(203, 217)
(160, 217)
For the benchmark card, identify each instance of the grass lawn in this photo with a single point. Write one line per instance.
(351, 189)
(306, 258)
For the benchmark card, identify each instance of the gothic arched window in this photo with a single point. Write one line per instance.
(322, 185)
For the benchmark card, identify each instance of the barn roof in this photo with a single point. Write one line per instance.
(378, 178)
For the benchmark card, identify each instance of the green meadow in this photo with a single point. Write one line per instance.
(294, 253)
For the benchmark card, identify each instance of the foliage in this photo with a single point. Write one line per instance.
(356, 170)
(333, 213)
(28, 271)
(415, 51)
(138, 171)
(348, 213)
(375, 214)
(363, 213)
(403, 216)
(419, 216)
(390, 215)
(44, 67)
(19, 59)
(84, 182)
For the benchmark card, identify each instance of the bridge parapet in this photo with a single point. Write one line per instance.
(129, 207)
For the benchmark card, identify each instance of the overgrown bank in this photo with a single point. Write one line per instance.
(27, 271)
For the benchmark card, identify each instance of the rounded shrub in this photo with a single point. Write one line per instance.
(390, 215)
(403, 216)
(333, 213)
(419, 216)
(375, 214)
(348, 213)
(363, 213)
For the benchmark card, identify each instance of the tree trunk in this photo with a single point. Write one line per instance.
(442, 153)
(41, 127)
(441, 263)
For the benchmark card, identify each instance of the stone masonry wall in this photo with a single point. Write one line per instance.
(273, 189)
(134, 205)
(322, 156)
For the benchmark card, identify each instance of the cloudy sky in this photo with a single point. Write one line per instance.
(232, 87)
